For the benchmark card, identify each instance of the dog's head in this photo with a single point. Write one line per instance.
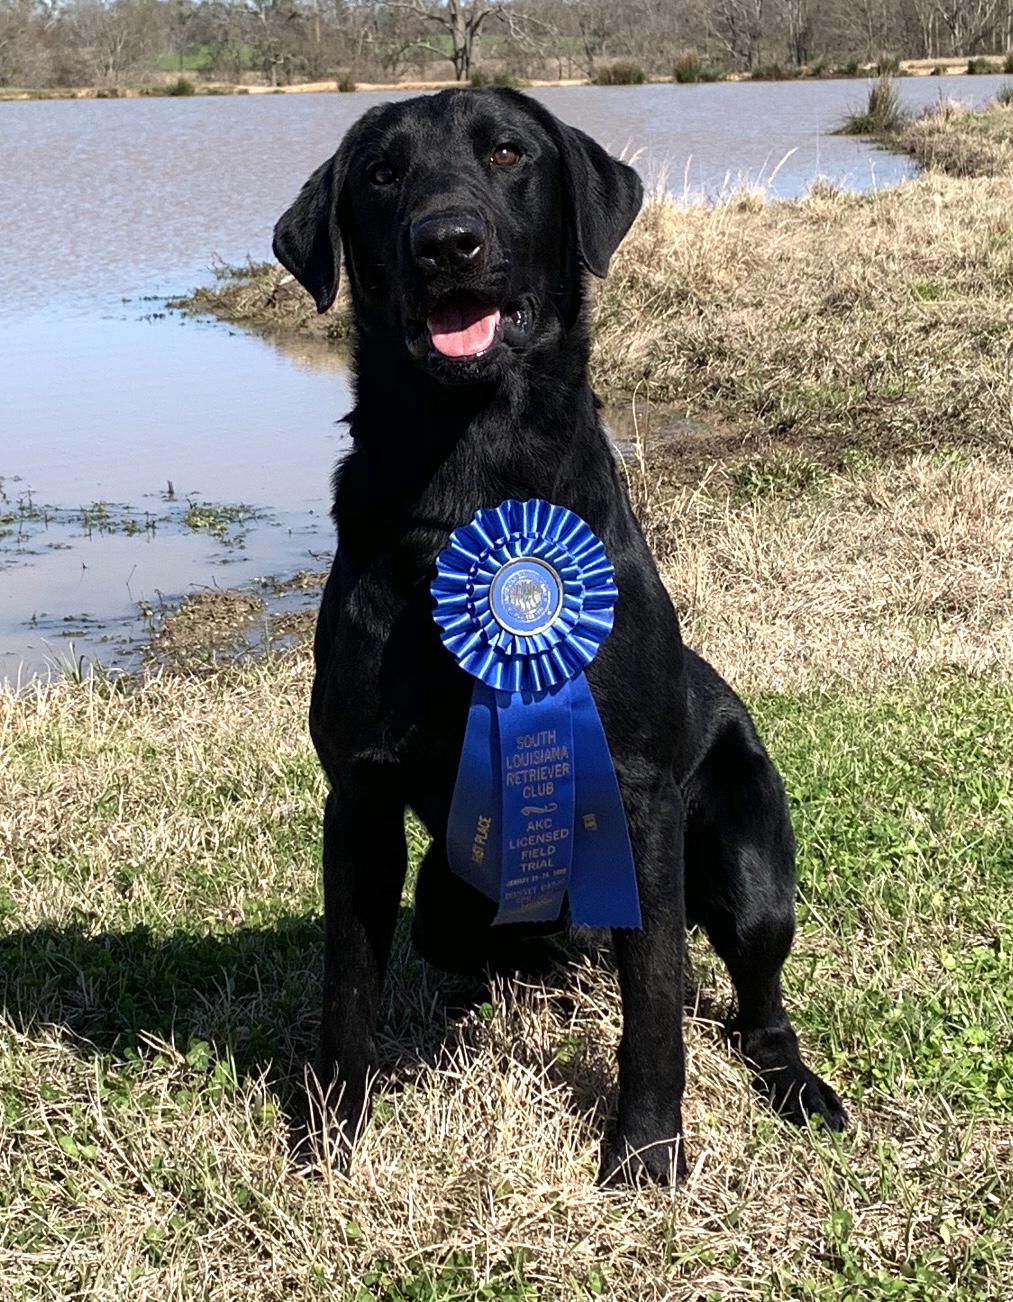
(465, 218)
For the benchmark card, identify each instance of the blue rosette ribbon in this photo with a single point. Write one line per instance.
(524, 598)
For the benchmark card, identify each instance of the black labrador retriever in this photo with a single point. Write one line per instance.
(465, 220)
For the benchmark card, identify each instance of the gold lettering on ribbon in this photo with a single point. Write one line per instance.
(481, 837)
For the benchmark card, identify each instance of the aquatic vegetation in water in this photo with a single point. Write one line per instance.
(20, 513)
(23, 520)
(228, 524)
(107, 517)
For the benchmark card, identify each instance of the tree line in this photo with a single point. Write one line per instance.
(117, 42)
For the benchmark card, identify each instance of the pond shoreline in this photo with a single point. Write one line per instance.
(942, 67)
(815, 330)
(723, 336)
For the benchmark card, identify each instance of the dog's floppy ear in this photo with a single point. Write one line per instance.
(604, 195)
(307, 238)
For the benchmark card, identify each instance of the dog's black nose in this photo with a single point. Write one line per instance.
(448, 241)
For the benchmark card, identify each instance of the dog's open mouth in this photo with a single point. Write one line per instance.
(462, 326)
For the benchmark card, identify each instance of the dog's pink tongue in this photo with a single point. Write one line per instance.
(462, 330)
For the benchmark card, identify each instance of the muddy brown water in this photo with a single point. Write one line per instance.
(124, 429)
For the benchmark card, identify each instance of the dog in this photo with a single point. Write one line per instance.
(466, 221)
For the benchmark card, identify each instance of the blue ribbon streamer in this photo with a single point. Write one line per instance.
(524, 598)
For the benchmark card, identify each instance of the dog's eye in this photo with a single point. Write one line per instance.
(382, 175)
(506, 155)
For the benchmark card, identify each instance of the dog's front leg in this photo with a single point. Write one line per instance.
(647, 1140)
(365, 860)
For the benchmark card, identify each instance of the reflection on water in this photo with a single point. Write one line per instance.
(105, 399)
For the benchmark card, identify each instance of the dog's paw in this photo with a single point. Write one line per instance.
(660, 1161)
(797, 1094)
(779, 1074)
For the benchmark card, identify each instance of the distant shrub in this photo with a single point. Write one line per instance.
(850, 69)
(887, 65)
(775, 72)
(624, 72)
(346, 82)
(882, 116)
(181, 87)
(981, 67)
(687, 68)
(480, 77)
(1007, 63)
(690, 68)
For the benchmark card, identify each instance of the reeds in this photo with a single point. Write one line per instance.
(883, 115)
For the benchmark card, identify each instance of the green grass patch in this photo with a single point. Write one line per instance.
(903, 803)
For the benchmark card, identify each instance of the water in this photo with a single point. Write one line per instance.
(126, 409)
(112, 205)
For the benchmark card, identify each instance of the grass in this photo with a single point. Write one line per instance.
(160, 962)
(963, 142)
(791, 574)
(798, 321)
(160, 939)
(494, 77)
(689, 68)
(264, 296)
(622, 72)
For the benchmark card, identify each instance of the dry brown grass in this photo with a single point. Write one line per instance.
(487, 1158)
(789, 576)
(951, 137)
(881, 320)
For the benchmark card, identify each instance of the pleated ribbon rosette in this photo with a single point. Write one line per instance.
(524, 599)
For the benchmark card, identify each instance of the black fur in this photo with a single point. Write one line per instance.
(483, 197)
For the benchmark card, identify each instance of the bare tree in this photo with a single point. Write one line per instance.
(460, 20)
(17, 40)
(738, 27)
(119, 37)
(798, 30)
(970, 23)
(598, 23)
